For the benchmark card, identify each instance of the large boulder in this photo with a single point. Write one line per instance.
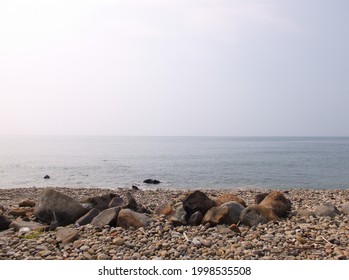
(326, 209)
(179, 216)
(258, 198)
(133, 205)
(197, 201)
(257, 214)
(228, 213)
(106, 217)
(229, 197)
(128, 218)
(165, 208)
(57, 208)
(18, 224)
(195, 219)
(99, 202)
(117, 201)
(4, 222)
(277, 202)
(88, 217)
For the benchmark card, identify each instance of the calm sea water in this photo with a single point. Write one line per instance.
(178, 162)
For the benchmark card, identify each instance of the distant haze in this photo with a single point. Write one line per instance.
(174, 67)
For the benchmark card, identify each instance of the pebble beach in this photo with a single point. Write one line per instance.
(301, 235)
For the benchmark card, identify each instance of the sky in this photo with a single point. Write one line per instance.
(174, 68)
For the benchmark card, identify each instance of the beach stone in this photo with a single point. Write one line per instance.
(88, 217)
(179, 216)
(326, 209)
(258, 198)
(118, 241)
(257, 214)
(277, 202)
(99, 202)
(27, 203)
(229, 197)
(165, 208)
(67, 235)
(133, 205)
(4, 222)
(195, 219)
(21, 212)
(57, 208)
(345, 208)
(135, 188)
(151, 181)
(197, 201)
(227, 213)
(117, 201)
(106, 217)
(47, 177)
(18, 224)
(128, 218)
(235, 228)
(305, 213)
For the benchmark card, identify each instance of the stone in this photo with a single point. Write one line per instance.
(277, 202)
(151, 181)
(106, 217)
(57, 208)
(67, 235)
(128, 218)
(21, 212)
(345, 208)
(197, 201)
(165, 208)
(47, 177)
(235, 228)
(88, 217)
(135, 188)
(118, 241)
(117, 201)
(257, 214)
(179, 216)
(99, 202)
(305, 213)
(133, 205)
(326, 209)
(27, 203)
(258, 198)
(227, 213)
(195, 219)
(229, 197)
(4, 222)
(18, 224)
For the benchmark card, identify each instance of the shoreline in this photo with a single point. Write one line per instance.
(298, 236)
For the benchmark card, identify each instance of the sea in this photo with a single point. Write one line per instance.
(177, 162)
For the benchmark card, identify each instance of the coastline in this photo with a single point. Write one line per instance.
(298, 236)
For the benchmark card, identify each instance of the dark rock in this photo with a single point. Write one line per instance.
(345, 208)
(277, 202)
(195, 219)
(27, 203)
(257, 214)
(133, 205)
(88, 217)
(326, 209)
(67, 235)
(56, 208)
(4, 222)
(17, 224)
(99, 202)
(106, 217)
(47, 177)
(128, 218)
(117, 201)
(135, 188)
(197, 201)
(258, 198)
(179, 216)
(229, 197)
(235, 228)
(228, 213)
(165, 208)
(21, 212)
(151, 181)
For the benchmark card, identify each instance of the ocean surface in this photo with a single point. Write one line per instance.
(178, 162)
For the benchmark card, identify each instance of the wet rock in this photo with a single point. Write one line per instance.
(4, 222)
(18, 224)
(197, 201)
(58, 208)
(27, 203)
(277, 202)
(67, 235)
(345, 208)
(46, 177)
(179, 215)
(195, 219)
(165, 208)
(128, 218)
(259, 197)
(326, 209)
(106, 217)
(151, 181)
(135, 188)
(229, 197)
(257, 214)
(88, 217)
(99, 202)
(227, 213)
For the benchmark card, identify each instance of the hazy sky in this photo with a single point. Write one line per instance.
(183, 67)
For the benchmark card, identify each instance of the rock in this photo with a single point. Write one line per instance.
(117, 202)
(118, 241)
(326, 209)
(106, 217)
(257, 214)
(21, 212)
(227, 213)
(235, 228)
(227, 198)
(18, 224)
(345, 208)
(135, 188)
(277, 202)
(179, 215)
(47, 177)
(151, 181)
(259, 197)
(4, 222)
(165, 208)
(197, 201)
(99, 202)
(128, 218)
(305, 213)
(195, 219)
(57, 208)
(88, 217)
(27, 203)
(67, 235)
(133, 205)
